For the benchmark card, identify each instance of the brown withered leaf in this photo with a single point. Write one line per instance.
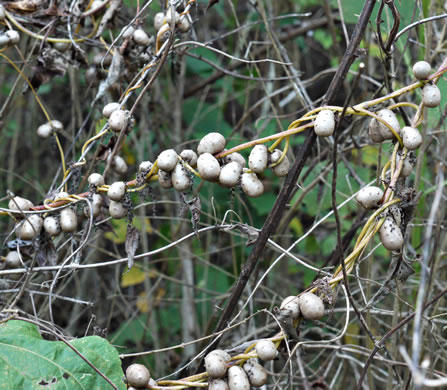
(211, 3)
(195, 206)
(132, 241)
(25, 6)
(251, 232)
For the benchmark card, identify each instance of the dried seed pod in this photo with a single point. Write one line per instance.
(291, 303)
(184, 24)
(117, 210)
(421, 70)
(212, 143)
(218, 384)
(389, 117)
(237, 379)
(370, 196)
(30, 227)
(96, 205)
(159, 19)
(258, 158)
(251, 185)
(235, 157)
(180, 178)
(137, 375)
(167, 160)
(116, 191)
(19, 204)
(411, 138)
(96, 179)
(13, 260)
(208, 167)
(164, 179)
(119, 165)
(266, 350)
(311, 306)
(324, 124)
(110, 108)
(118, 120)
(215, 365)
(145, 166)
(189, 156)
(391, 235)
(140, 37)
(230, 174)
(69, 220)
(52, 226)
(431, 95)
(256, 373)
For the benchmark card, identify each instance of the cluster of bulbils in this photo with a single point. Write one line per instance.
(372, 197)
(224, 374)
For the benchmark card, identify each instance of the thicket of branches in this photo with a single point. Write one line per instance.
(166, 274)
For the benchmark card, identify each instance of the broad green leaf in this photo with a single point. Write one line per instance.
(27, 361)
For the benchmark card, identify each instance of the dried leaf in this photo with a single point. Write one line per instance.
(250, 231)
(46, 254)
(195, 206)
(113, 75)
(132, 240)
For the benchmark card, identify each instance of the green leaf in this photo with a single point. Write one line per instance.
(27, 361)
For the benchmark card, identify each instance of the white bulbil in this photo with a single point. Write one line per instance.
(117, 210)
(237, 379)
(370, 196)
(30, 227)
(13, 36)
(311, 306)
(164, 179)
(159, 20)
(145, 166)
(116, 191)
(140, 37)
(44, 131)
(96, 179)
(110, 108)
(61, 195)
(13, 260)
(291, 303)
(137, 375)
(208, 167)
(18, 203)
(235, 157)
(68, 220)
(215, 365)
(218, 384)
(431, 95)
(407, 167)
(251, 185)
(256, 373)
(119, 165)
(266, 350)
(391, 235)
(189, 156)
(411, 138)
(212, 143)
(127, 32)
(324, 124)
(172, 17)
(96, 204)
(421, 70)
(258, 158)
(180, 178)
(118, 120)
(52, 225)
(167, 160)
(184, 25)
(282, 169)
(230, 174)
(389, 117)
